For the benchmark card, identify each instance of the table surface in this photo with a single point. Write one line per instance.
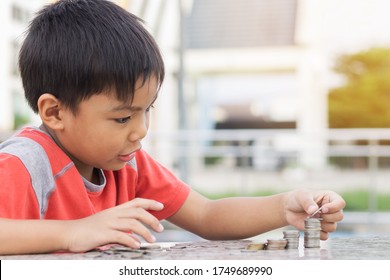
(337, 248)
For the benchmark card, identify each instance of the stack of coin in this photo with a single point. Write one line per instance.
(312, 233)
(276, 244)
(292, 237)
(256, 246)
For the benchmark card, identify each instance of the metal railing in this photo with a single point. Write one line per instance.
(370, 143)
(275, 158)
(357, 158)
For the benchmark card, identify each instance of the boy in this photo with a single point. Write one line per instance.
(81, 180)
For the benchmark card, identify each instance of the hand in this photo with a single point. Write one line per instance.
(114, 225)
(301, 204)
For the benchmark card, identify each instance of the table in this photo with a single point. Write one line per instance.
(337, 248)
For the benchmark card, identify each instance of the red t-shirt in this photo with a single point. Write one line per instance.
(38, 180)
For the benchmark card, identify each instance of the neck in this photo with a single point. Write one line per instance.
(90, 174)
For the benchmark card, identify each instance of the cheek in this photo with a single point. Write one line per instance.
(147, 120)
(101, 141)
(92, 136)
(94, 148)
(86, 135)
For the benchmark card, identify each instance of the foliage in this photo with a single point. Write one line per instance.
(364, 100)
(20, 120)
(356, 200)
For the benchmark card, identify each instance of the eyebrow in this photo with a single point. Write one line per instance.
(128, 107)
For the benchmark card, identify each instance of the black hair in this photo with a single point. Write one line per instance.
(77, 48)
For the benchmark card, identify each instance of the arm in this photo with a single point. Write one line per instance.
(109, 226)
(244, 217)
(31, 236)
(229, 218)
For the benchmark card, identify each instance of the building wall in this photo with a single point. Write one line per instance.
(6, 113)
(324, 29)
(14, 18)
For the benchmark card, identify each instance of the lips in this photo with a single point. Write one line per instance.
(126, 158)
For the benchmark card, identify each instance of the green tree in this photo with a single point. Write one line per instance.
(364, 100)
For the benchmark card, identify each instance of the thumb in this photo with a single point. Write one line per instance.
(308, 203)
(311, 209)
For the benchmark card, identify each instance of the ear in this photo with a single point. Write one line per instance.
(50, 111)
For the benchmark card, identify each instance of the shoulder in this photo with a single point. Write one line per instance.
(24, 140)
(10, 166)
(24, 145)
(35, 150)
(31, 160)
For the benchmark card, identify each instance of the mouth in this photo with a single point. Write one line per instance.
(128, 157)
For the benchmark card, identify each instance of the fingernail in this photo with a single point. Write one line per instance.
(324, 209)
(312, 209)
(160, 228)
(152, 238)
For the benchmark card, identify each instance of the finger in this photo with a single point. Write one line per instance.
(307, 202)
(143, 216)
(331, 201)
(333, 217)
(328, 227)
(135, 238)
(147, 204)
(324, 235)
(136, 227)
(333, 206)
(126, 239)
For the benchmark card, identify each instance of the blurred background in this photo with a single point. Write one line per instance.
(260, 96)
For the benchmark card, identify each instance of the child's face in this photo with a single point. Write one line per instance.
(105, 133)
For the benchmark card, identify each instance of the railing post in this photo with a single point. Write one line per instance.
(245, 164)
(373, 166)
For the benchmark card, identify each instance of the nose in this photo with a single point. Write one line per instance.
(139, 129)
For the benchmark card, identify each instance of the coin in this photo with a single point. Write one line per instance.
(255, 246)
(315, 212)
(276, 244)
(312, 233)
(292, 237)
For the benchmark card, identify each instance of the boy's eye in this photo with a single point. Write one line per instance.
(122, 120)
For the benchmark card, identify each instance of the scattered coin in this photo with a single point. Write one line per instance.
(93, 254)
(150, 246)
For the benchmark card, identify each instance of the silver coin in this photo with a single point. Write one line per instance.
(312, 232)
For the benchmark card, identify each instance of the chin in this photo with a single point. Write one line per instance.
(117, 167)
